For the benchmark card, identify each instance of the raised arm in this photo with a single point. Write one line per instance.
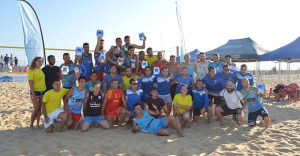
(97, 48)
(140, 47)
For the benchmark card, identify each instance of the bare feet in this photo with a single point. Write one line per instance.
(181, 134)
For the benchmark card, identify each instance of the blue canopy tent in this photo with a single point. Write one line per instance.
(241, 50)
(193, 55)
(288, 53)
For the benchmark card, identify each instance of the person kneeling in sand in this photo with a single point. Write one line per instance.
(255, 105)
(182, 104)
(233, 105)
(93, 110)
(73, 103)
(51, 107)
(147, 123)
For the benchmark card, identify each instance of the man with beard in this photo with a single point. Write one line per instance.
(228, 75)
(68, 80)
(113, 59)
(183, 79)
(124, 48)
(51, 72)
(102, 68)
(126, 78)
(112, 76)
(201, 66)
(85, 62)
(233, 104)
(111, 50)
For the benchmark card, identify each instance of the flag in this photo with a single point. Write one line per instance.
(182, 49)
(33, 37)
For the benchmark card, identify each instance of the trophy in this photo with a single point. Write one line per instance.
(79, 51)
(144, 64)
(65, 70)
(102, 58)
(99, 33)
(260, 87)
(132, 63)
(120, 61)
(142, 36)
(156, 70)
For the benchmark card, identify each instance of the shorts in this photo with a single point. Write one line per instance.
(113, 113)
(162, 124)
(132, 114)
(228, 111)
(253, 116)
(52, 116)
(76, 117)
(91, 119)
(217, 99)
(175, 114)
(11, 64)
(166, 98)
(100, 76)
(197, 111)
(1, 64)
(172, 90)
(38, 93)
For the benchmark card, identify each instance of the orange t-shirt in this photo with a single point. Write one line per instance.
(114, 99)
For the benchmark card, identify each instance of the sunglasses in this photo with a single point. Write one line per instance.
(216, 57)
(134, 83)
(226, 69)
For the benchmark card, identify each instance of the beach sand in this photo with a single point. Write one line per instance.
(282, 138)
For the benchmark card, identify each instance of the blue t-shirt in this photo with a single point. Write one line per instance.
(230, 77)
(127, 62)
(147, 123)
(180, 80)
(69, 80)
(108, 79)
(254, 102)
(147, 83)
(76, 100)
(133, 97)
(99, 68)
(218, 66)
(240, 77)
(215, 85)
(200, 98)
(163, 84)
(86, 65)
(89, 85)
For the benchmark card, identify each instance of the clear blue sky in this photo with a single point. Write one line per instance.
(207, 23)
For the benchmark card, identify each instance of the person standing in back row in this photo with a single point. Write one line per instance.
(216, 63)
(85, 62)
(201, 66)
(51, 72)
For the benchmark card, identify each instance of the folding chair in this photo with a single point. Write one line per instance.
(292, 90)
(281, 92)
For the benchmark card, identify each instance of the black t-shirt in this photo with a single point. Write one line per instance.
(51, 74)
(6, 58)
(16, 61)
(158, 102)
(94, 103)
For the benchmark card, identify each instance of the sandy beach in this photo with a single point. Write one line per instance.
(282, 138)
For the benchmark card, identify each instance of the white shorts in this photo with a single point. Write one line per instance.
(51, 117)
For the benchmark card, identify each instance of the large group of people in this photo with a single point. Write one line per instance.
(114, 88)
(9, 64)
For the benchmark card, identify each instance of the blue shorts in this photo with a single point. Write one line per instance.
(166, 98)
(253, 116)
(162, 124)
(91, 119)
(38, 93)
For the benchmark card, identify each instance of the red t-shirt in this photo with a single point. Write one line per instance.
(141, 70)
(114, 99)
(160, 65)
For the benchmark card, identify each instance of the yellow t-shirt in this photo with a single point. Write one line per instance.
(53, 99)
(126, 83)
(183, 101)
(38, 78)
(150, 60)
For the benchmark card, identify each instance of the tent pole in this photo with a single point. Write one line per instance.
(279, 73)
(257, 72)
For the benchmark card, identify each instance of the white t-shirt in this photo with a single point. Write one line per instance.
(233, 99)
